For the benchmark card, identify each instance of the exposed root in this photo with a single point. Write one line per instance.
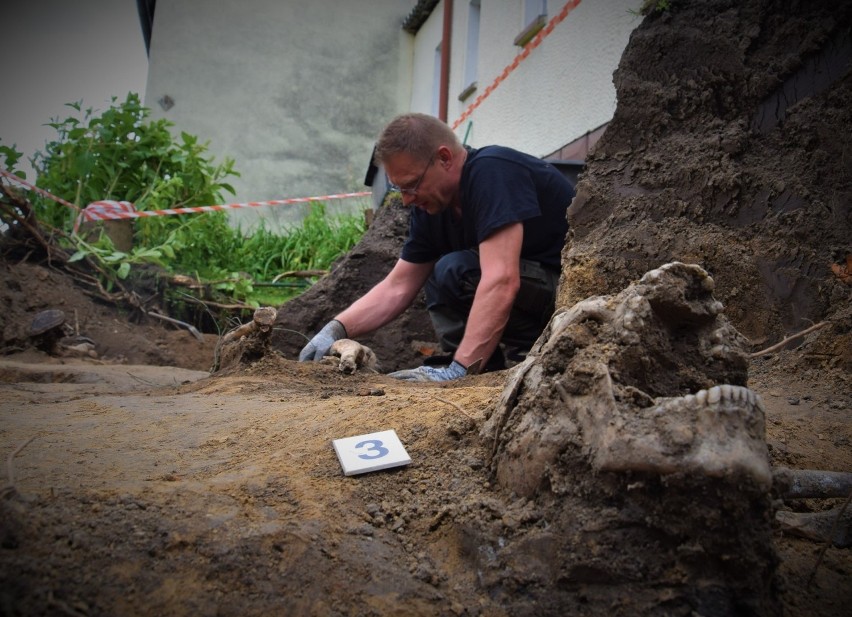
(780, 344)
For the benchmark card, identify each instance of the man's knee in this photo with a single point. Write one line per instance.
(454, 279)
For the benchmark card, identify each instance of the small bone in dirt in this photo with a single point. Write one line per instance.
(262, 320)
(248, 339)
(353, 355)
(811, 483)
(781, 344)
(834, 526)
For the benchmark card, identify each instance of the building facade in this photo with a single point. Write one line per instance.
(551, 100)
(296, 92)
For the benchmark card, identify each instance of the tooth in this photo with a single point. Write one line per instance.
(751, 397)
(714, 395)
(734, 394)
(727, 392)
(701, 397)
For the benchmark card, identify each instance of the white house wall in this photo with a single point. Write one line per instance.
(560, 92)
(427, 40)
(294, 91)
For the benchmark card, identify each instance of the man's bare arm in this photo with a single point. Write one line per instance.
(384, 302)
(499, 259)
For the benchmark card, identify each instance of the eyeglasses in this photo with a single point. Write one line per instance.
(413, 190)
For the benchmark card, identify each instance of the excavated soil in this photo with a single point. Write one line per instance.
(155, 490)
(140, 484)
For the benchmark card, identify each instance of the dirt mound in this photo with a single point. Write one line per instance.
(729, 149)
(119, 337)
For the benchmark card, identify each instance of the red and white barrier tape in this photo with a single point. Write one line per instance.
(41, 192)
(114, 210)
(109, 210)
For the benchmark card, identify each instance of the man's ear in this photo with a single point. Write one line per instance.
(445, 157)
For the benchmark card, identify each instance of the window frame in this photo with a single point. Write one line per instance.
(471, 58)
(534, 19)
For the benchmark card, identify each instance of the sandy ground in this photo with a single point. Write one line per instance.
(157, 490)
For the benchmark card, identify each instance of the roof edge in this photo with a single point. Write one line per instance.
(418, 15)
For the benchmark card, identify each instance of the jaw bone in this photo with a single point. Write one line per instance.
(588, 385)
(717, 432)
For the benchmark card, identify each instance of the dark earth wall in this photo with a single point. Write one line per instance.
(730, 148)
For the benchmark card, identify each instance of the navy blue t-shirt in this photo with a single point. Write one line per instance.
(499, 186)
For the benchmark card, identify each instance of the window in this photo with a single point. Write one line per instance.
(471, 57)
(535, 17)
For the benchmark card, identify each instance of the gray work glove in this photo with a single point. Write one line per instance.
(431, 373)
(322, 341)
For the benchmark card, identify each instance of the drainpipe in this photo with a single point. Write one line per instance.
(444, 93)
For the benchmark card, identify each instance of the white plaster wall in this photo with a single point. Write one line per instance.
(296, 92)
(562, 90)
(423, 70)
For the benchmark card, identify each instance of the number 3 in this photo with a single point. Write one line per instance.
(376, 445)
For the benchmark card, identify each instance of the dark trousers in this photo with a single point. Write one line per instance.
(449, 297)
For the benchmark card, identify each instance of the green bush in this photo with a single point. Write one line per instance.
(122, 155)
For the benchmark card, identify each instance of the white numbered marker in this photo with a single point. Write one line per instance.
(371, 452)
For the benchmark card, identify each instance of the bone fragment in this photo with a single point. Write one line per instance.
(81, 349)
(353, 355)
(610, 416)
(833, 525)
(264, 317)
(811, 483)
(262, 320)
(252, 338)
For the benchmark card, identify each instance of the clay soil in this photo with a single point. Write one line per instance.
(148, 489)
(139, 483)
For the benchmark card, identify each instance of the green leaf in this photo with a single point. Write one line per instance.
(151, 253)
(115, 257)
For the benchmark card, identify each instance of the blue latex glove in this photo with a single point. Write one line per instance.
(322, 341)
(431, 373)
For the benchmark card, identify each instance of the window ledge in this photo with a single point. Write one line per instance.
(530, 31)
(471, 88)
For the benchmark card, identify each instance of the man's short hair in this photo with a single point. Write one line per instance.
(418, 135)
